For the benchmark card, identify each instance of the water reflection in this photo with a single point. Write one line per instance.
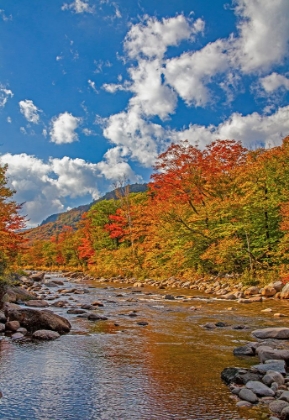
(117, 369)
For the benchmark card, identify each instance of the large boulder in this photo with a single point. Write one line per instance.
(45, 335)
(280, 333)
(260, 389)
(34, 320)
(267, 353)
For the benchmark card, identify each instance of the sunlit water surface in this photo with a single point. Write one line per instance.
(169, 369)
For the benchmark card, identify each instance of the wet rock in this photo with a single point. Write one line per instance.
(87, 306)
(60, 304)
(277, 406)
(209, 326)
(56, 281)
(169, 297)
(221, 324)
(96, 317)
(96, 303)
(132, 314)
(12, 325)
(76, 311)
(45, 335)
(37, 303)
(267, 310)
(244, 300)
(248, 395)
(260, 389)
(143, 323)
(17, 336)
(33, 320)
(279, 333)
(244, 351)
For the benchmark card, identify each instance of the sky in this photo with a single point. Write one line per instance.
(92, 91)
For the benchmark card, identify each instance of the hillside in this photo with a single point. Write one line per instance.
(55, 223)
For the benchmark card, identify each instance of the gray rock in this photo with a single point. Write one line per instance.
(33, 320)
(76, 311)
(229, 375)
(274, 386)
(17, 336)
(244, 404)
(285, 413)
(277, 406)
(2, 327)
(272, 376)
(169, 297)
(284, 396)
(22, 330)
(267, 353)
(37, 276)
(45, 335)
(244, 351)
(260, 389)
(248, 395)
(280, 333)
(95, 317)
(277, 366)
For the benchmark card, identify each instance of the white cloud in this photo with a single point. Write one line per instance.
(63, 128)
(88, 132)
(263, 34)
(4, 95)
(151, 37)
(44, 186)
(92, 85)
(190, 73)
(9, 120)
(273, 82)
(4, 17)
(253, 130)
(78, 6)
(30, 111)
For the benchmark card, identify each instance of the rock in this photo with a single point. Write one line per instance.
(256, 299)
(17, 336)
(253, 290)
(243, 378)
(221, 324)
(209, 326)
(37, 303)
(278, 285)
(272, 376)
(132, 314)
(143, 323)
(278, 366)
(267, 310)
(37, 276)
(2, 327)
(284, 396)
(55, 281)
(267, 353)
(46, 335)
(248, 395)
(229, 375)
(277, 406)
(96, 303)
(244, 300)
(244, 351)
(279, 333)
(169, 297)
(12, 325)
(2, 317)
(76, 311)
(284, 294)
(285, 413)
(22, 330)
(87, 306)
(60, 304)
(51, 284)
(95, 317)
(244, 404)
(33, 320)
(279, 315)
(268, 291)
(260, 389)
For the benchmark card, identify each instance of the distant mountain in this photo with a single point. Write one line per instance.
(55, 223)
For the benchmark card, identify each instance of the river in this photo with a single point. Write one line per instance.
(118, 369)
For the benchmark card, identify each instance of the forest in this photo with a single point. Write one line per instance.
(220, 210)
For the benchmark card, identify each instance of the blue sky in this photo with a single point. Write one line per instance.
(91, 91)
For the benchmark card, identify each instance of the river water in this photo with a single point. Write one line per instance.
(118, 369)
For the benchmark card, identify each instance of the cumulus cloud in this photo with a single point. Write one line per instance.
(152, 37)
(263, 34)
(78, 6)
(253, 130)
(30, 111)
(44, 186)
(273, 82)
(63, 128)
(5, 94)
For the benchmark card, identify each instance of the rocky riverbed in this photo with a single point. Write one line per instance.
(77, 306)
